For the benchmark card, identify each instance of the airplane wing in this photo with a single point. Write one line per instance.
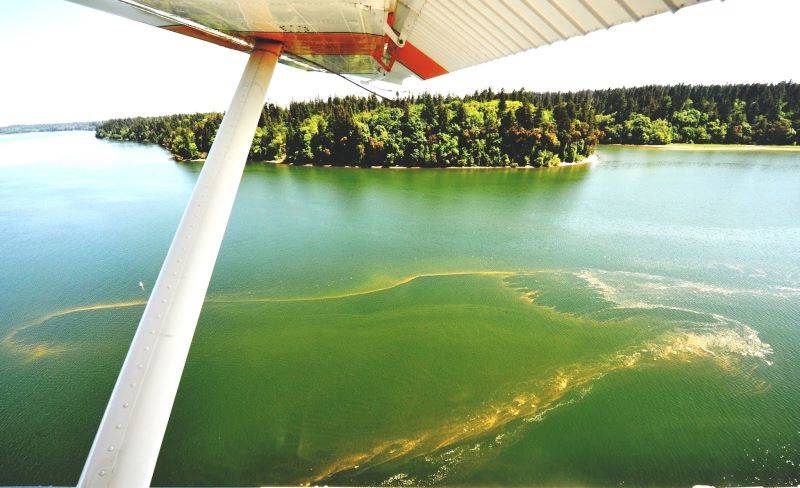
(389, 39)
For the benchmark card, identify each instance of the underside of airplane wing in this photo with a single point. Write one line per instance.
(389, 39)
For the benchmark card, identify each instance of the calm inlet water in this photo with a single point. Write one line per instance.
(635, 321)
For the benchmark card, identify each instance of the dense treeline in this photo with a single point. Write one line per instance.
(518, 128)
(719, 114)
(427, 131)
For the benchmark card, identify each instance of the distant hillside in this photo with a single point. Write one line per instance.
(18, 129)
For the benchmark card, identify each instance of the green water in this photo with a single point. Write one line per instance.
(635, 321)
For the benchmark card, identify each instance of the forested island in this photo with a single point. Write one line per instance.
(488, 128)
(55, 127)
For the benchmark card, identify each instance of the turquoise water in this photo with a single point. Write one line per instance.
(633, 321)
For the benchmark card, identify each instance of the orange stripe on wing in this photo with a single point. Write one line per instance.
(418, 62)
(334, 43)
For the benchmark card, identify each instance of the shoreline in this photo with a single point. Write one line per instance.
(592, 158)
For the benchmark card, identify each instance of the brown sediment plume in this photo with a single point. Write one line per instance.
(724, 347)
(521, 406)
(386, 451)
(725, 343)
(391, 285)
(690, 341)
(39, 350)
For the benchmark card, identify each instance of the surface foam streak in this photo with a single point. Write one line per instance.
(651, 282)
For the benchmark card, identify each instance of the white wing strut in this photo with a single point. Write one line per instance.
(128, 441)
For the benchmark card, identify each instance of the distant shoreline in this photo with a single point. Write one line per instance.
(57, 127)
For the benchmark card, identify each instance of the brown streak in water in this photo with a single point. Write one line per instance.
(38, 350)
(391, 285)
(530, 405)
(525, 405)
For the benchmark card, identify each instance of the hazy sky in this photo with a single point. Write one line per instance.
(64, 62)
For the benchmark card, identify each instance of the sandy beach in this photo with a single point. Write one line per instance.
(713, 147)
